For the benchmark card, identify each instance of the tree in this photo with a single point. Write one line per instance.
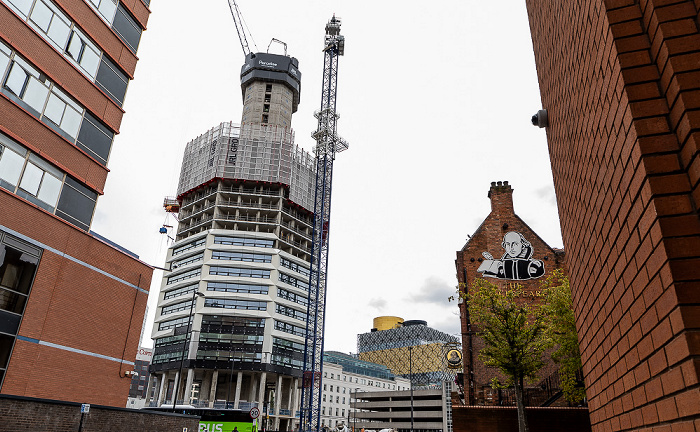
(514, 333)
(557, 309)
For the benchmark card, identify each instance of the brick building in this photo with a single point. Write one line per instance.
(620, 80)
(506, 251)
(70, 300)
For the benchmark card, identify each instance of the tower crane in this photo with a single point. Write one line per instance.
(328, 143)
(241, 27)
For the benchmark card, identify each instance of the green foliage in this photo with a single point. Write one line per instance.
(513, 331)
(557, 309)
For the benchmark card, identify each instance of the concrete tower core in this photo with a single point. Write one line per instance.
(271, 87)
(231, 320)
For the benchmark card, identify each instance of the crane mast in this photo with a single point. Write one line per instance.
(328, 143)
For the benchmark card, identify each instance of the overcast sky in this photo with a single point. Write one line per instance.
(435, 100)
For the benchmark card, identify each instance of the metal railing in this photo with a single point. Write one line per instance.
(250, 191)
(289, 226)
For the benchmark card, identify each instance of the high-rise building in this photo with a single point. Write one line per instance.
(70, 300)
(410, 349)
(619, 81)
(231, 320)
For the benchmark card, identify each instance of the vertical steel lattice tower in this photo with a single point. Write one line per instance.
(327, 144)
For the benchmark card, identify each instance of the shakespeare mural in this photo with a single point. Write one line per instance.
(516, 263)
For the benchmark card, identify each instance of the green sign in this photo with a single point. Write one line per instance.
(217, 426)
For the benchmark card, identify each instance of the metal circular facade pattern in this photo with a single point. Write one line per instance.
(254, 413)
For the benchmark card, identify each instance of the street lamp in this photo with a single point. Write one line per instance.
(184, 345)
(354, 412)
(410, 372)
(230, 378)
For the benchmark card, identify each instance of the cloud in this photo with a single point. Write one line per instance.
(546, 193)
(433, 291)
(377, 303)
(449, 324)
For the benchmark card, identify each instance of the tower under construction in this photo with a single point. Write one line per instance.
(231, 320)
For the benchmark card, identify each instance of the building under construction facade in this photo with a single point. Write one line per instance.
(231, 320)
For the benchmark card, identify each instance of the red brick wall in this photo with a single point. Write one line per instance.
(621, 82)
(77, 307)
(27, 414)
(488, 238)
(505, 419)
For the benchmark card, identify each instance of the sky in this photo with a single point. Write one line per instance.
(434, 99)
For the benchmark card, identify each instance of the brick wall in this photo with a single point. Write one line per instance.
(621, 82)
(489, 238)
(27, 414)
(76, 307)
(505, 419)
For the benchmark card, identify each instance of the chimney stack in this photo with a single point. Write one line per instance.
(501, 195)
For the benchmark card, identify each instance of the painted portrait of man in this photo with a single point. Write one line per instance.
(516, 263)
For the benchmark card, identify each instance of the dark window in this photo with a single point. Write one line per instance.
(238, 241)
(112, 80)
(76, 204)
(239, 272)
(95, 139)
(126, 28)
(264, 118)
(241, 256)
(18, 263)
(235, 304)
(291, 280)
(294, 266)
(268, 88)
(237, 287)
(184, 248)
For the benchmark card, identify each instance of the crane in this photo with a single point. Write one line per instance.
(241, 27)
(328, 143)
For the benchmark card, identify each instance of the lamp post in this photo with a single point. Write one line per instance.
(184, 345)
(410, 372)
(354, 412)
(230, 380)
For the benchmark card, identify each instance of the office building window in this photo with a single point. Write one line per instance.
(239, 241)
(29, 88)
(294, 266)
(61, 32)
(180, 291)
(291, 280)
(105, 9)
(191, 245)
(126, 28)
(237, 287)
(183, 276)
(241, 256)
(235, 304)
(239, 272)
(32, 178)
(291, 312)
(18, 264)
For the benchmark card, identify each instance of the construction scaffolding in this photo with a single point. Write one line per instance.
(256, 152)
